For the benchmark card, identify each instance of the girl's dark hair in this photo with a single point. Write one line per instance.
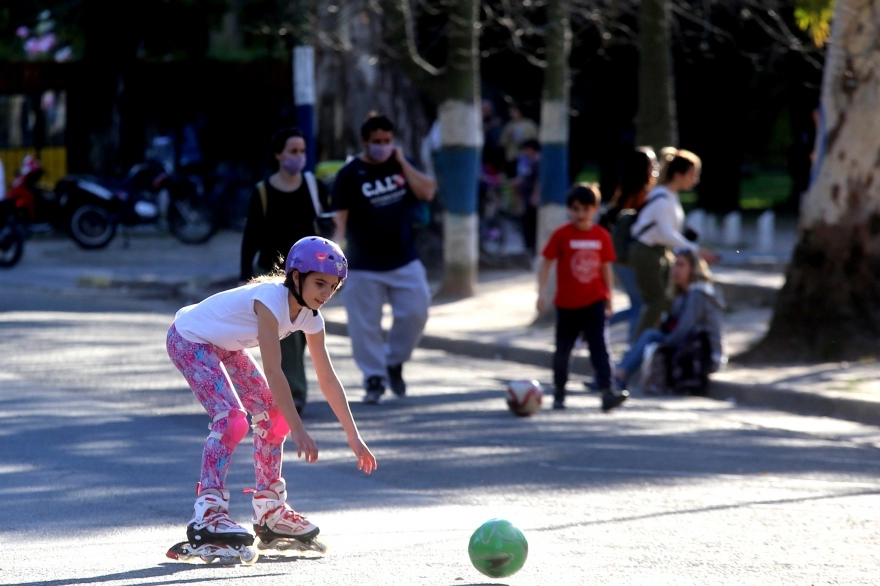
(374, 123)
(635, 174)
(279, 139)
(586, 194)
(681, 163)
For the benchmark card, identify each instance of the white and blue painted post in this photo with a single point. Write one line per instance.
(304, 99)
(457, 164)
(553, 134)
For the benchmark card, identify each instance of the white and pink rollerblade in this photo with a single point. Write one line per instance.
(212, 535)
(279, 527)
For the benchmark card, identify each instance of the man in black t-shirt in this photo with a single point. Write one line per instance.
(374, 197)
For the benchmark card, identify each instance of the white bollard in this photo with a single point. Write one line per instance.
(696, 221)
(732, 228)
(766, 229)
(711, 230)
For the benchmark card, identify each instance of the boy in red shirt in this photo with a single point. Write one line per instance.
(584, 252)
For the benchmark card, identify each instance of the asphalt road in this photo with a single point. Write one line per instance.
(100, 446)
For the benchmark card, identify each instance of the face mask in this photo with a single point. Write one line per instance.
(380, 152)
(293, 164)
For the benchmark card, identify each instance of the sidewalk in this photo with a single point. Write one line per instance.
(497, 323)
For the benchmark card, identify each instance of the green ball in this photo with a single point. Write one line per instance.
(498, 549)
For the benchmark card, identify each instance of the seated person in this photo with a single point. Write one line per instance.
(695, 314)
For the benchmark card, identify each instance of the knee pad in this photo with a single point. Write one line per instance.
(275, 429)
(236, 427)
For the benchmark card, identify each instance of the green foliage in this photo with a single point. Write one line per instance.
(814, 17)
(589, 174)
(765, 189)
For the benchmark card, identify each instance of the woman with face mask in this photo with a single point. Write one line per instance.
(281, 212)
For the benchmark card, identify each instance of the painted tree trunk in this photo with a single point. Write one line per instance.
(458, 159)
(829, 307)
(657, 125)
(554, 121)
(554, 131)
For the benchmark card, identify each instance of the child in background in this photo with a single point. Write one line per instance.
(583, 253)
(212, 336)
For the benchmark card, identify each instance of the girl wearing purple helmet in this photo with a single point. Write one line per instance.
(218, 331)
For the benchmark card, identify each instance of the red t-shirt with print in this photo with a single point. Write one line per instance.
(579, 256)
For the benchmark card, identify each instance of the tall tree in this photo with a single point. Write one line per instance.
(829, 307)
(458, 160)
(445, 59)
(657, 123)
(554, 120)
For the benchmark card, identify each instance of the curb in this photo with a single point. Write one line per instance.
(483, 350)
(738, 295)
(755, 395)
(798, 402)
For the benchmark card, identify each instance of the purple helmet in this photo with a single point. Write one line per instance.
(314, 253)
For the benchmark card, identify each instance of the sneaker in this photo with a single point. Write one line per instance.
(620, 383)
(395, 380)
(275, 519)
(612, 399)
(375, 389)
(558, 403)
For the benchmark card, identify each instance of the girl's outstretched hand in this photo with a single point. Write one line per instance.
(366, 459)
(305, 445)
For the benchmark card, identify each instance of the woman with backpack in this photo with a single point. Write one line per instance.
(658, 231)
(693, 325)
(283, 209)
(638, 174)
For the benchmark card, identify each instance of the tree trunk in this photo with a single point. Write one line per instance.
(657, 126)
(354, 77)
(554, 121)
(829, 307)
(554, 130)
(458, 160)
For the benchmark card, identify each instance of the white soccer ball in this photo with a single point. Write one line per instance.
(524, 397)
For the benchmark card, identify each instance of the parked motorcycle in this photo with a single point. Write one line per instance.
(11, 235)
(91, 209)
(145, 194)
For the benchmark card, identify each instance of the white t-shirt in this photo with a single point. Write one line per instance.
(228, 319)
(666, 217)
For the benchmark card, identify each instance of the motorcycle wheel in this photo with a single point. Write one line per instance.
(92, 226)
(191, 221)
(11, 245)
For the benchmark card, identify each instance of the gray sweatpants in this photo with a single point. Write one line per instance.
(365, 294)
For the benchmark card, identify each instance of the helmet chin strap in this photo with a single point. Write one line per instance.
(297, 295)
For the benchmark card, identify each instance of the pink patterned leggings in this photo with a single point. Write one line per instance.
(202, 365)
